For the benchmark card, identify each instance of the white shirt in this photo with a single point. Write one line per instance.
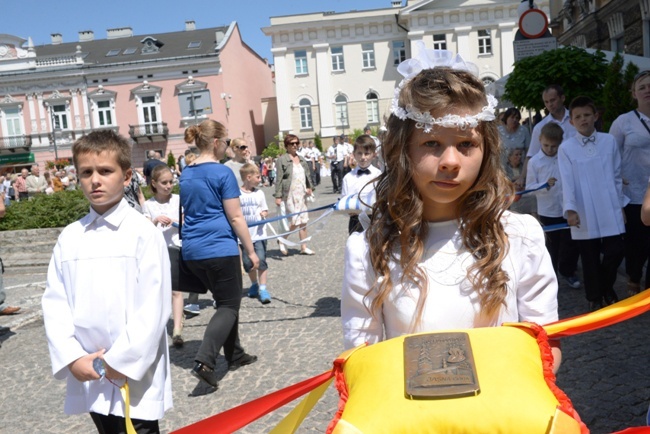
(109, 286)
(592, 185)
(540, 169)
(253, 203)
(450, 302)
(565, 123)
(235, 166)
(153, 208)
(633, 141)
(353, 183)
(337, 153)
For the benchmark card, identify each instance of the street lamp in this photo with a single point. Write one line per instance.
(53, 121)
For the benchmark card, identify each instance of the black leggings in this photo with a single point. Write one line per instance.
(117, 424)
(223, 277)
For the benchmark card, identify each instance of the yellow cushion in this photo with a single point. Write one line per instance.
(514, 395)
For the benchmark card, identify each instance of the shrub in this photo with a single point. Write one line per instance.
(171, 161)
(45, 211)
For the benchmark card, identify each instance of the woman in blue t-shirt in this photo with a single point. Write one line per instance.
(212, 222)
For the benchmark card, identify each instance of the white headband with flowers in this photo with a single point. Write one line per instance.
(429, 59)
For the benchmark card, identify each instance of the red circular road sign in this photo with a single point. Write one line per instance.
(533, 23)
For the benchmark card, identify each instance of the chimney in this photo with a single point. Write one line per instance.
(396, 3)
(190, 25)
(57, 38)
(86, 35)
(119, 32)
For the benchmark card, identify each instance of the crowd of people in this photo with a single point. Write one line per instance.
(450, 242)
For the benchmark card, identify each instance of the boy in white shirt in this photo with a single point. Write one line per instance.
(593, 201)
(108, 298)
(357, 181)
(254, 208)
(543, 169)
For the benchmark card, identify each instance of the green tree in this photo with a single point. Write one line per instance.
(617, 97)
(171, 161)
(318, 142)
(577, 71)
(273, 149)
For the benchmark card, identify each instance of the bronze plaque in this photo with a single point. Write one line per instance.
(439, 365)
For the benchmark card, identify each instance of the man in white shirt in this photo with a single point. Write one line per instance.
(553, 97)
(336, 154)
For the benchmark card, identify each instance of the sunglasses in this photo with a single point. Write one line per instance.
(294, 143)
(243, 147)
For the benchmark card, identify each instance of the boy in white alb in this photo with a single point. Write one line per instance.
(357, 181)
(254, 208)
(543, 169)
(108, 297)
(593, 201)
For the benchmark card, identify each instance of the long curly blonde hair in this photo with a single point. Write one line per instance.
(397, 224)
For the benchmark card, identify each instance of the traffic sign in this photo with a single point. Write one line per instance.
(533, 23)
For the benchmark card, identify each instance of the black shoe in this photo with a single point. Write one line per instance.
(595, 305)
(244, 360)
(204, 373)
(610, 298)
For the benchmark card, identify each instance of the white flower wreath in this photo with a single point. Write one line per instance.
(429, 59)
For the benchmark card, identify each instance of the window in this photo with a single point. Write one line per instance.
(60, 116)
(337, 59)
(12, 125)
(130, 50)
(194, 44)
(301, 62)
(399, 52)
(341, 103)
(439, 42)
(305, 114)
(104, 113)
(113, 52)
(484, 42)
(372, 108)
(368, 55)
(150, 115)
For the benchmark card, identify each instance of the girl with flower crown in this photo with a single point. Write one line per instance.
(441, 250)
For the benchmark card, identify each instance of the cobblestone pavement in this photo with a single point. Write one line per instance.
(297, 336)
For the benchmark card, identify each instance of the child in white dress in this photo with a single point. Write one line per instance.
(162, 210)
(442, 251)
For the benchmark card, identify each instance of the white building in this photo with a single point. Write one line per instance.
(337, 71)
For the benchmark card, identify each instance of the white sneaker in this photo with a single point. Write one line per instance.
(283, 249)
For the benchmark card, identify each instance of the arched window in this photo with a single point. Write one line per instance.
(305, 114)
(341, 103)
(372, 108)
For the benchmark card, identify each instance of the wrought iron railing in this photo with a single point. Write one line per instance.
(11, 142)
(148, 130)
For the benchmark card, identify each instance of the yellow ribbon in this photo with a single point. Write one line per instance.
(292, 421)
(124, 390)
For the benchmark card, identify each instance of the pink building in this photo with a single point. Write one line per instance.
(148, 88)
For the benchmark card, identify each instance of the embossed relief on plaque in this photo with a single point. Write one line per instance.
(439, 365)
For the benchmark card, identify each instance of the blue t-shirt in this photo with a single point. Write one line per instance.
(206, 230)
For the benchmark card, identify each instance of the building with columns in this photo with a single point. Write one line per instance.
(148, 88)
(336, 72)
(611, 25)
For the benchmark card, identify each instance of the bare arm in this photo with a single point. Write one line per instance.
(238, 223)
(2, 205)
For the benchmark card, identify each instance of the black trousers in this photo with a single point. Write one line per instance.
(354, 225)
(562, 248)
(637, 245)
(336, 170)
(117, 425)
(223, 277)
(601, 258)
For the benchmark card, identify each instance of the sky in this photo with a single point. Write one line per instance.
(39, 19)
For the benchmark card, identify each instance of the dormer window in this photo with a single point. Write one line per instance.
(150, 45)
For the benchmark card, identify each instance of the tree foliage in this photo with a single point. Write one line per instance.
(617, 97)
(318, 142)
(273, 149)
(171, 160)
(577, 71)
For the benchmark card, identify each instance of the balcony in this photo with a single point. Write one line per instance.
(153, 132)
(13, 143)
